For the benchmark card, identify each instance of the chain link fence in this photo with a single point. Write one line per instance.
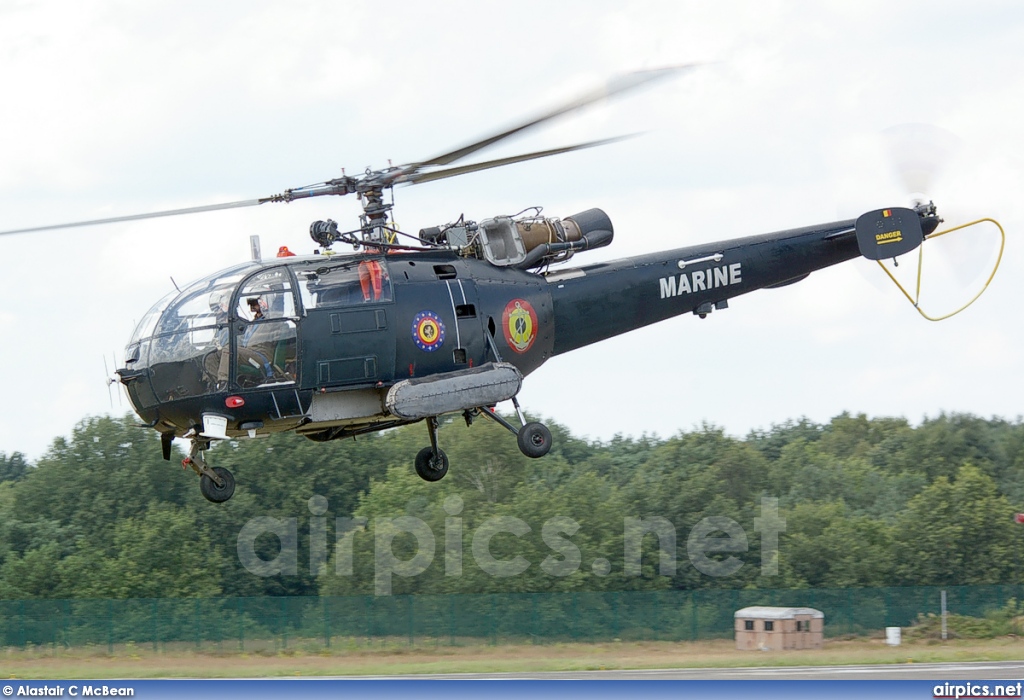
(251, 624)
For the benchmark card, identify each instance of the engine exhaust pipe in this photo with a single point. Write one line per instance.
(584, 231)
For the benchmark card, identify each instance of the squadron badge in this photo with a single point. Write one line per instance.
(519, 323)
(427, 331)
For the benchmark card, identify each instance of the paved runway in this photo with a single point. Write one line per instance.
(981, 670)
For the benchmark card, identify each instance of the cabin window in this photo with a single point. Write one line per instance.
(769, 625)
(345, 283)
(748, 625)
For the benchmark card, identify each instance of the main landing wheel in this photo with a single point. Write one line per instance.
(214, 493)
(534, 440)
(429, 467)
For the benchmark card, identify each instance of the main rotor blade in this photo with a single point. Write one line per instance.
(136, 217)
(417, 178)
(615, 86)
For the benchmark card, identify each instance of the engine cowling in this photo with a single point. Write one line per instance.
(534, 241)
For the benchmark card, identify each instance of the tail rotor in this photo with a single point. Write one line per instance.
(111, 380)
(963, 251)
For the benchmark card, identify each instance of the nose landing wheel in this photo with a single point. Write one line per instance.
(217, 484)
(214, 492)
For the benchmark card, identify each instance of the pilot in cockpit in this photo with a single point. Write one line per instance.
(261, 340)
(256, 307)
(219, 362)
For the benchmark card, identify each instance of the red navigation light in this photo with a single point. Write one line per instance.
(234, 402)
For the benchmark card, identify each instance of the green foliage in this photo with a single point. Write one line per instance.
(997, 622)
(865, 502)
(12, 468)
(958, 533)
(828, 547)
(156, 554)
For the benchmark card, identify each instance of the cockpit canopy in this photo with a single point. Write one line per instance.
(233, 329)
(237, 328)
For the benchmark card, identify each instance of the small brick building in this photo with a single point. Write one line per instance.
(767, 628)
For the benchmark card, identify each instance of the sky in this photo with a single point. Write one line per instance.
(113, 108)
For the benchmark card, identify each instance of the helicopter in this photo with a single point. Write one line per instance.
(412, 327)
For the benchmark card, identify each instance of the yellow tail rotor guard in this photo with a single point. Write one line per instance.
(916, 299)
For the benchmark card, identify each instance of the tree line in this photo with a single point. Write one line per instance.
(862, 502)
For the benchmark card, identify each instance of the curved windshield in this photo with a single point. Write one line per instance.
(148, 322)
(203, 303)
(180, 339)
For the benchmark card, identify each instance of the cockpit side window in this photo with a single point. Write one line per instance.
(345, 283)
(267, 295)
(265, 344)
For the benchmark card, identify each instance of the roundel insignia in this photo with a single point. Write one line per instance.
(427, 331)
(519, 323)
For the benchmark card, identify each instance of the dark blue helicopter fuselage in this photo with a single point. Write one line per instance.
(439, 313)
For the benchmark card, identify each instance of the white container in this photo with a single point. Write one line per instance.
(892, 636)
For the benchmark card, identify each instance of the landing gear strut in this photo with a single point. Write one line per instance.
(217, 484)
(534, 439)
(432, 462)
